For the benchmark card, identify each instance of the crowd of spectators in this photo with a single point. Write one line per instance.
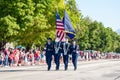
(22, 57)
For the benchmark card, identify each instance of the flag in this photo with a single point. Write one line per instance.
(60, 33)
(70, 32)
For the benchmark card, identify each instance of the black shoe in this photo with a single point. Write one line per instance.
(75, 69)
(57, 69)
(48, 69)
(66, 69)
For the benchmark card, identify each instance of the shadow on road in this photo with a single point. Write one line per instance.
(22, 70)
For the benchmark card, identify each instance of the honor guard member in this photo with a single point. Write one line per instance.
(58, 51)
(49, 48)
(66, 52)
(74, 49)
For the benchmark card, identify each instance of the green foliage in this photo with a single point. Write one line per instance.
(30, 22)
(8, 28)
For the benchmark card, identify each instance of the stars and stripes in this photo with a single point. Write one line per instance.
(60, 33)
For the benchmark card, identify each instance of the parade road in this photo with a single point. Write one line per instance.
(87, 70)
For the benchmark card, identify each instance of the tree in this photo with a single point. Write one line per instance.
(30, 22)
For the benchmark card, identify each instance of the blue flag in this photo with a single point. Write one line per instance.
(70, 32)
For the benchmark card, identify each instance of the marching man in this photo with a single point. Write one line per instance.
(74, 49)
(58, 51)
(49, 48)
(66, 52)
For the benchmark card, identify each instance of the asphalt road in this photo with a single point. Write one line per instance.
(87, 70)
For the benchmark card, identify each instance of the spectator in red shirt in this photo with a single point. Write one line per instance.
(10, 59)
(37, 56)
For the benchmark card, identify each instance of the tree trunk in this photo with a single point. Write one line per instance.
(2, 44)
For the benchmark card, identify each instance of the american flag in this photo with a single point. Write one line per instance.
(60, 31)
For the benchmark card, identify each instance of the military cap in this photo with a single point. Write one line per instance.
(49, 38)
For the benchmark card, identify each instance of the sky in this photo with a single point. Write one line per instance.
(105, 11)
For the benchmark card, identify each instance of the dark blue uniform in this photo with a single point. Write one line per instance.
(57, 54)
(66, 51)
(74, 49)
(49, 53)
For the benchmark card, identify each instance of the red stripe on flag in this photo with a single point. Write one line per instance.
(62, 35)
(60, 29)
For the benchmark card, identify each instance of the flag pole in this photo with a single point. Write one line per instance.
(63, 19)
(64, 2)
(56, 7)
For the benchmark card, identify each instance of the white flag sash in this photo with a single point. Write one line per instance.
(66, 49)
(57, 48)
